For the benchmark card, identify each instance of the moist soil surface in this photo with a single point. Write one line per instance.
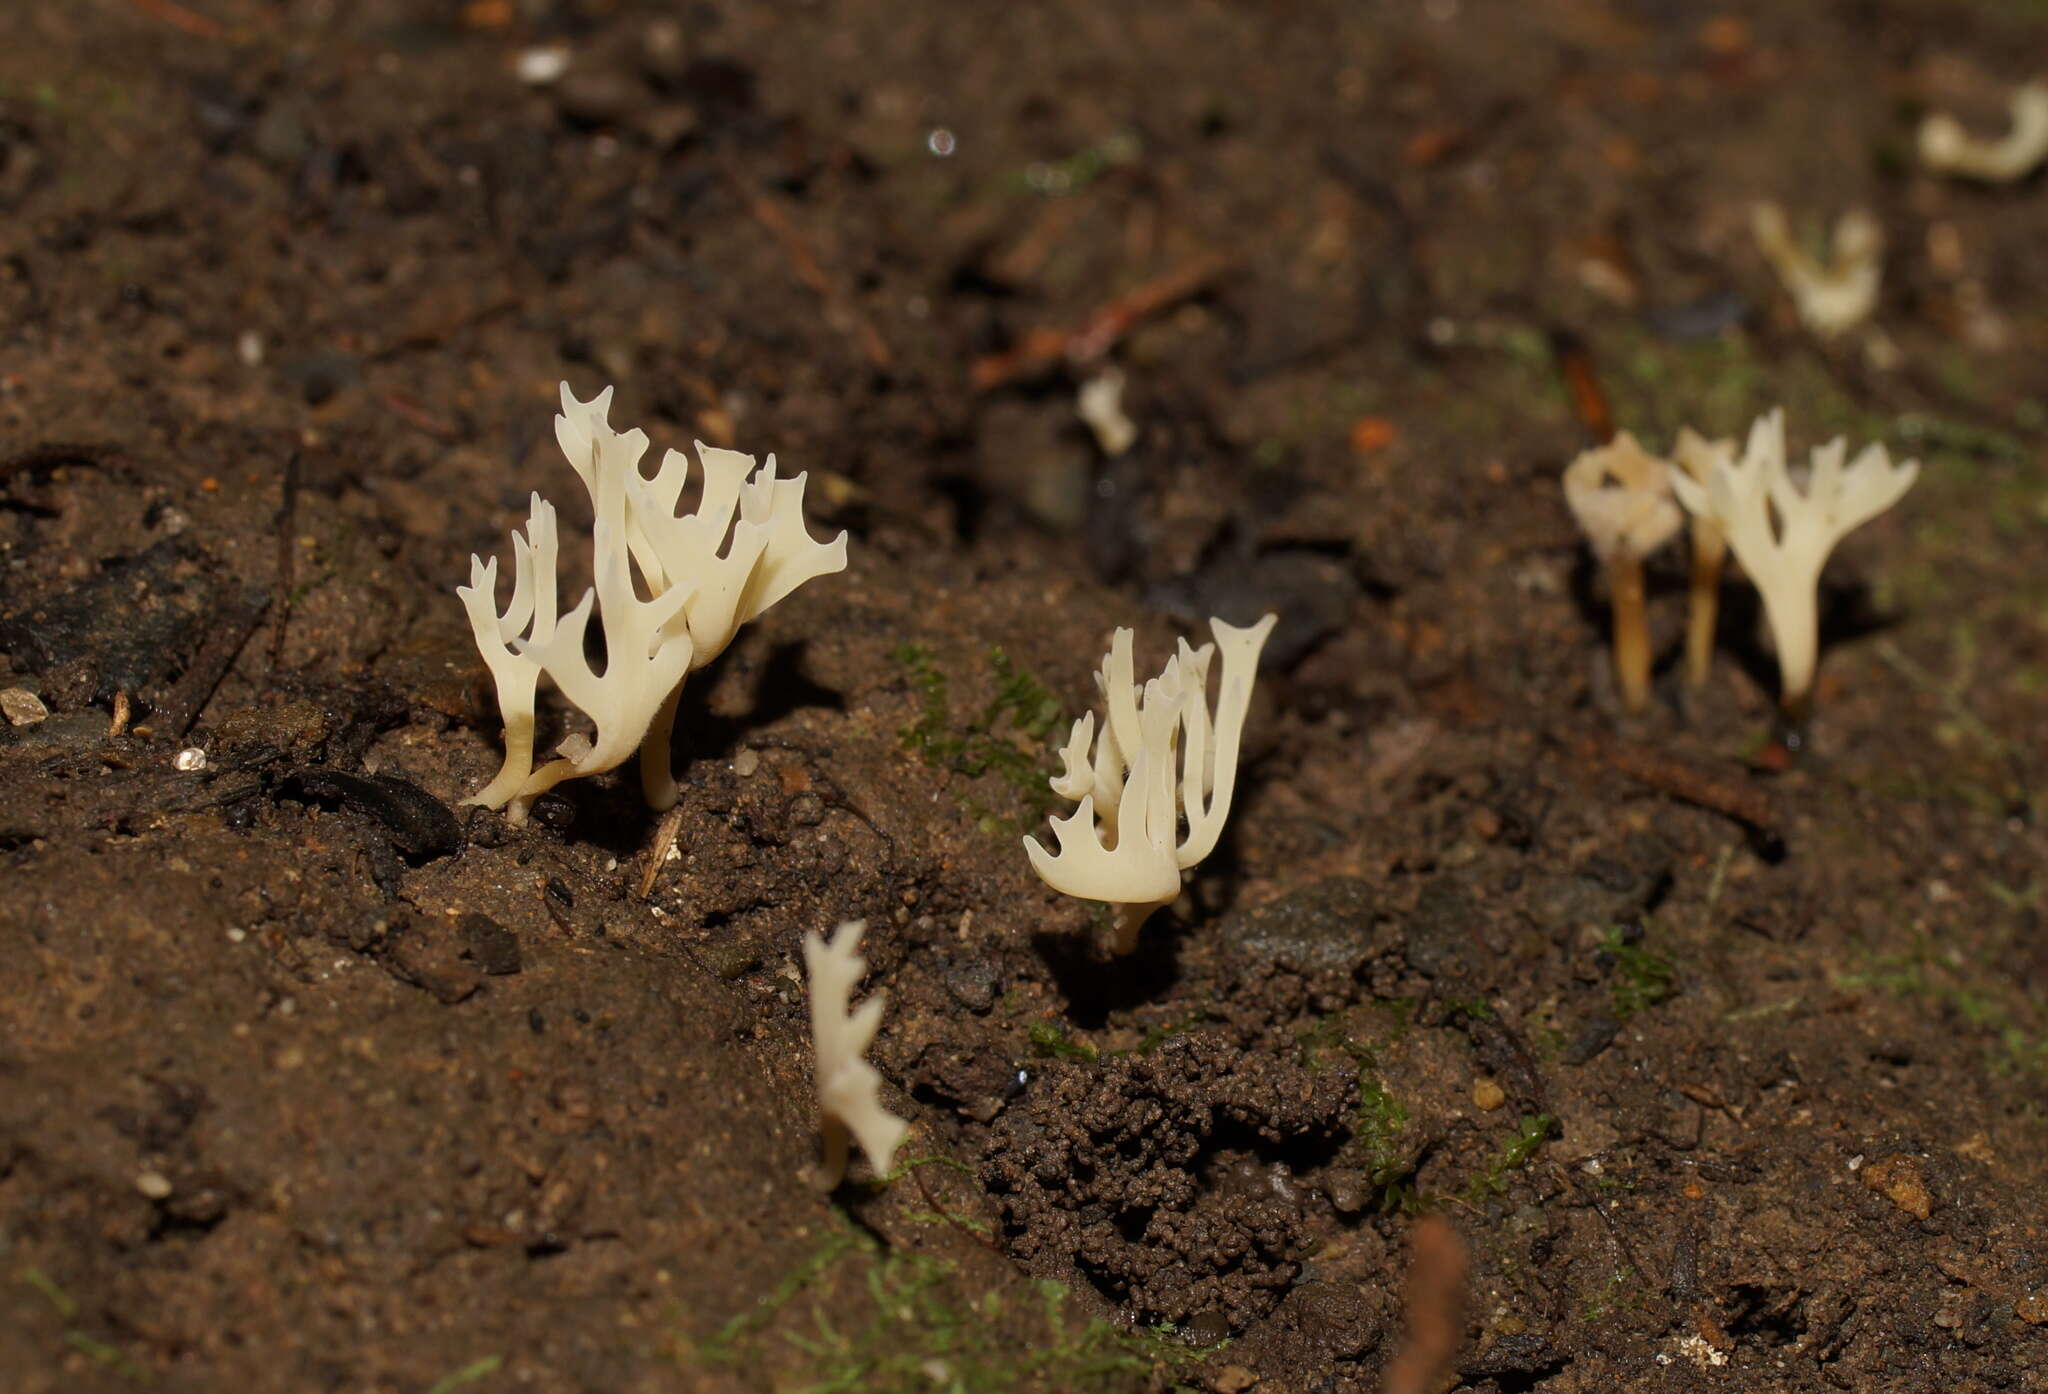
(1724, 1060)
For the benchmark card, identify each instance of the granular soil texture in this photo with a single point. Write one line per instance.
(1725, 1068)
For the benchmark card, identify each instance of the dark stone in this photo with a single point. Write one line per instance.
(419, 824)
(1440, 931)
(1321, 928)
(598, 98)
(1336, 1317)
(429, 959)
(972, 982)
(131, 626)
(1594, 1037)
(490, 945)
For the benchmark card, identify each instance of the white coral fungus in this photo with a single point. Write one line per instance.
(1782, 535)
(849, 1098)
(671, 592)
(1158, 758)
(1948, 149)
(1834, 295)
(1621, 495)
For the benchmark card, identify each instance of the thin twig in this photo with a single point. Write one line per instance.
(1582, 385)
(413, 414)
(210, 665)
(178, 17)
(1041, 350)
(287, 514)
(664, 839)
(1721, 789)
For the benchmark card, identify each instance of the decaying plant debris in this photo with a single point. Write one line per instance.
(312, 1077)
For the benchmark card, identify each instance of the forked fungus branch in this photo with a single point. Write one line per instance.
(1158, 758)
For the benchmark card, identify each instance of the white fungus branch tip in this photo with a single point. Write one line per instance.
(1158, 759)
(1782, 535)
(849, 1088)
(1947, 148)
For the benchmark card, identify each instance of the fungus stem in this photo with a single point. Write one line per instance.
(1130, 918)
(1709, 551)
(657, 777)
(827, 1175)
(1631, 628)
(1795, 712)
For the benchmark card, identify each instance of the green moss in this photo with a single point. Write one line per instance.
(1166, 1031)
(1521, 1149)
(1009, 737)
(1049, 1041)
(1381, 1143)
(101, 1353)
(1379, 1130)
(858, 1318)
(1642, 979)
(1620, 1290)
(2012, 1020)
(468, 1374)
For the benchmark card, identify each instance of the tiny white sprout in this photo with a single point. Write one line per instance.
(1621, 496)
(541, 66)
(1782, 535)
(1946, 148)
(1832, 296)
(190, 760)
(1101, 406)
(1157, 759)
(849, 1088)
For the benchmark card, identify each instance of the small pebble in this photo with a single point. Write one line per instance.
(153, 1184)
(1487, 1095)
(191, 760)
(746, 762)
(537, 67)
(1898, 1180)
(22, 707)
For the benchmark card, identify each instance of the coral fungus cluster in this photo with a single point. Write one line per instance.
(671, 591)
(1780, 530)
(672, 588)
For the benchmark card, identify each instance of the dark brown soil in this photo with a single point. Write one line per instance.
(312, 1078)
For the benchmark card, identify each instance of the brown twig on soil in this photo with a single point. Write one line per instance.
(413, 414)
(769, 212)
(1434, 1304)
(1582, 384)
(1720, 789)
(216, 655)
(1041, 350)
(664, 838)
(178, 17)
(287, 514)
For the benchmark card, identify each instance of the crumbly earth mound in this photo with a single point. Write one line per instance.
(1158, 1174)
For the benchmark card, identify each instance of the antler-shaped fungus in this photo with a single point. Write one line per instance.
(1782, 536)
(1621, 496)
(1157, 757)
(702, 574)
